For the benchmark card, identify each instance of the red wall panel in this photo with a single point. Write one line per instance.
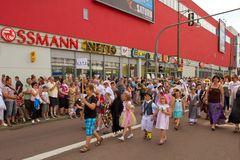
(109, 25)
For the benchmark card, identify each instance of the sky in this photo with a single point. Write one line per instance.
(216, 6)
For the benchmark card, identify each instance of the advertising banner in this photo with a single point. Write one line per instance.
(82, 63)
(222, 36)
(141, 8)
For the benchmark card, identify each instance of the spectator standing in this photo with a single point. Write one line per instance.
(53, 96)
(35, 102)
(46, 102)
(27, 95)
(10, 96)
(63, 97)
(19, 85)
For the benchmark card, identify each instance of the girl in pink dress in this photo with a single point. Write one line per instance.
(127, 118)
(163, 114)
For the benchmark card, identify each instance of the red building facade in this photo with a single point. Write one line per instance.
(111, 26)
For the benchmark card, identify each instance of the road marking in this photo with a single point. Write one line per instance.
(69, 147)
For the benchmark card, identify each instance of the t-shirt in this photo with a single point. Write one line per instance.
(54, 92)
(64, 89)
(9, 91)
(89, 113)
(233, 84)
(20, 86)
(27, 87)
(46, 97)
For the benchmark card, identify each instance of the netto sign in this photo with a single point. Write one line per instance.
(96, 47)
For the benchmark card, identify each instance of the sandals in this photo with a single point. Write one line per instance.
(176, 127)
(84, 149)
(236, 130)
(213, 127)
(99, 142)
(161, 142)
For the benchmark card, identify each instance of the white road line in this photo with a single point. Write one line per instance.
(69, 147)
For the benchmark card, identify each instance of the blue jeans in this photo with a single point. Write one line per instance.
(11, 108)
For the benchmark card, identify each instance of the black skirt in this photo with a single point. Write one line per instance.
(235, 114)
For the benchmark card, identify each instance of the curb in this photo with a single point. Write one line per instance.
(28, 123)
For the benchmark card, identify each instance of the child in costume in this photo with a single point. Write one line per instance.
(163, 113)
(178, 108)
(148, 109)
(127, 118)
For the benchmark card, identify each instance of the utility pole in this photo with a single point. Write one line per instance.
(178, 40)
(184, 22)
(230, 65)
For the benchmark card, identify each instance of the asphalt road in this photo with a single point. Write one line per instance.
(189, 143)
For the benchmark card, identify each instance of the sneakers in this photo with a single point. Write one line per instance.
(130, 136)
(38, 120)
(33, 121)
(121, 138)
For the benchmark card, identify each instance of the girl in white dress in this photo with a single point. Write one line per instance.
(163, 113)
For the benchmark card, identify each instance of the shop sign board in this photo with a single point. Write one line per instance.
(82, 63)
(125, 51)
(135, 53)
(29, 37)
(100, 48)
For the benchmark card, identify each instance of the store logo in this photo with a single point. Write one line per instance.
(8, 34)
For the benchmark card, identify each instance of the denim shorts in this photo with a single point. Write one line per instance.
(11, 108)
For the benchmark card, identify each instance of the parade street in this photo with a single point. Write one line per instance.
(188, 143)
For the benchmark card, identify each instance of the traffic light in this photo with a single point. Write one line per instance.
(33, 56)
(190, 19)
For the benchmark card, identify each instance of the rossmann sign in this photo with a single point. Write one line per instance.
(27, 37)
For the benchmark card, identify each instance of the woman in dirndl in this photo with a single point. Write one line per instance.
(235, 114)
(215, 100)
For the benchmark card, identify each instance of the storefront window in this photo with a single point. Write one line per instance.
(97, 69)
(62, 66)
(84, 72)
(111, 70)
(125, 70)
(133, 70)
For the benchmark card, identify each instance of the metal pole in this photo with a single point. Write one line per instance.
(178, 40)
(184, 22)
(230, 65)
